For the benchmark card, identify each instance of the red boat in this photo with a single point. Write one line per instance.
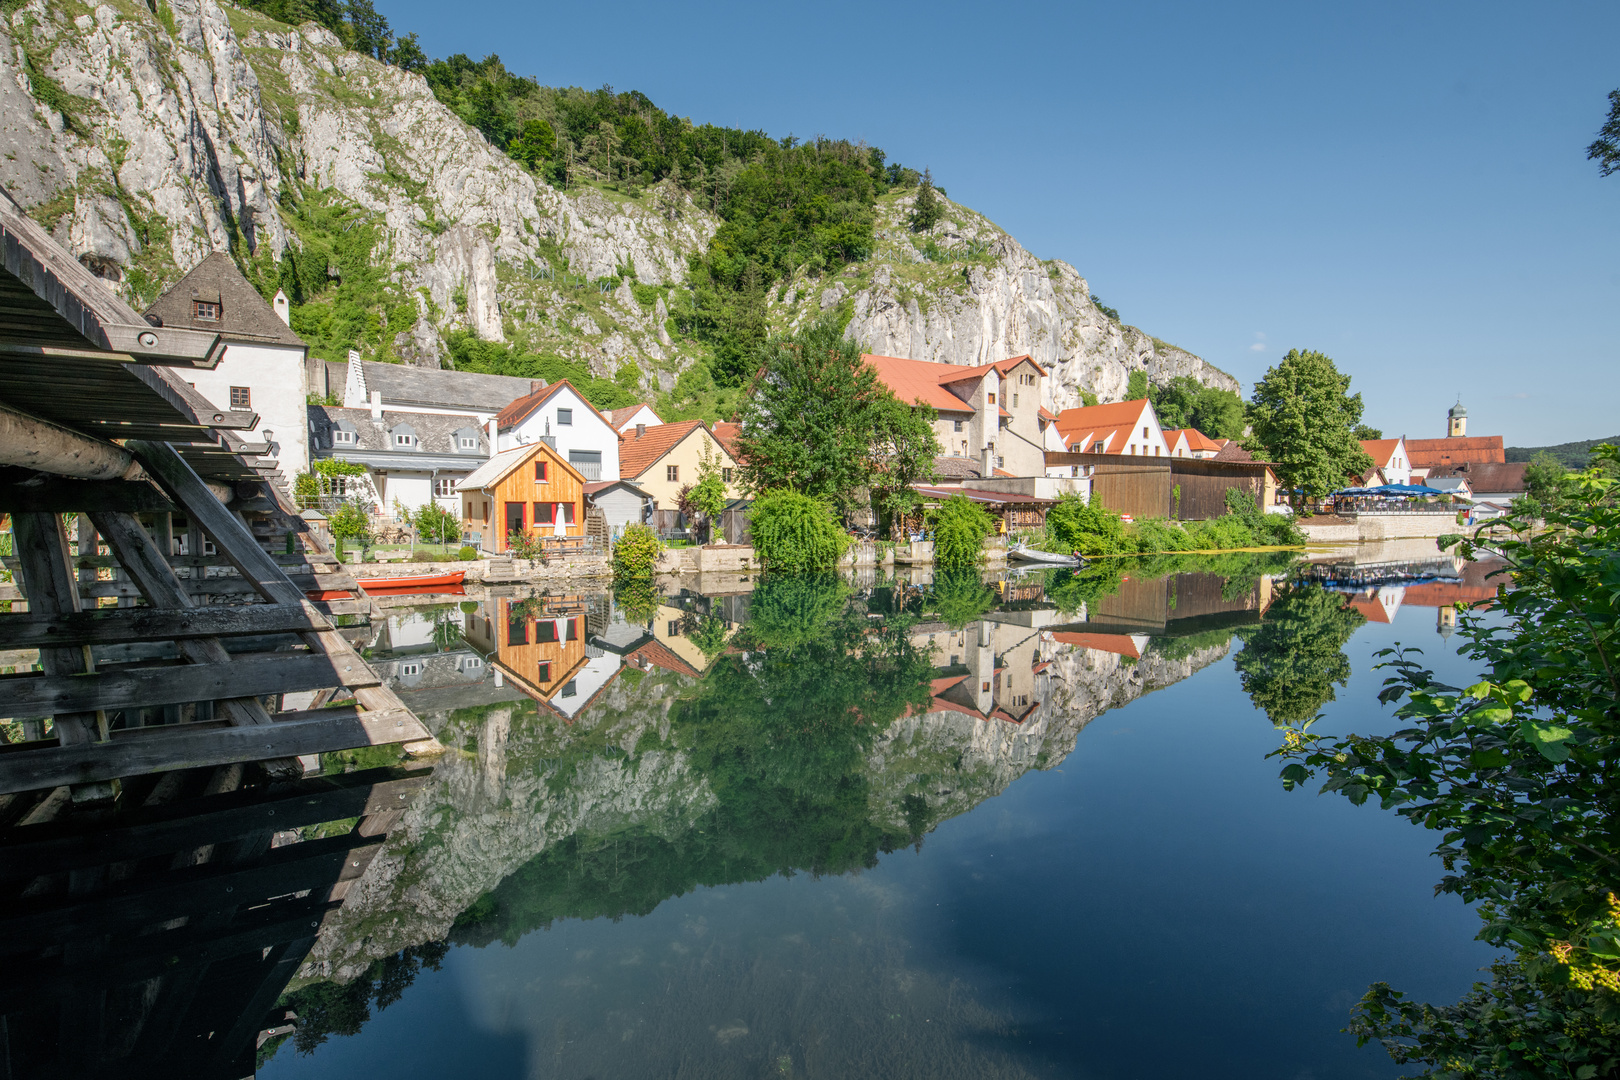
(412, 583)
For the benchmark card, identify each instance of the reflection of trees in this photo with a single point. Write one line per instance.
(781, 736)
(1293, 659)
(960, 596)
(325, 1008)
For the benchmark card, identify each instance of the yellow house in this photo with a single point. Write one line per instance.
(663, 459)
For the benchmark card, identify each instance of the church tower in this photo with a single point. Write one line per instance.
(1457, 421)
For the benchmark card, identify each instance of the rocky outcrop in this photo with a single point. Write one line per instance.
(146, 142)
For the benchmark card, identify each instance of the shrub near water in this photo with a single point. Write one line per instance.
(1075, 525)
(960, 527)
(796, 533)
(636, 553)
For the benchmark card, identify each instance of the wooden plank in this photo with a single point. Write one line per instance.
(112, 626)
(41, 543)
(43, 695)
(61, 495)
(56, 847)
(313, 864)
(180, 746)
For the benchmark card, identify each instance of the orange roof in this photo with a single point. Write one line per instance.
(523, 408)
(636, 456)
(920, 380)
(1013, 361)
(1197, 441)
(1123, 644)
(1380, 449)
(656, 652)
(1112, 424)
(1371, 609)
(621, 417)
(1446, 593)
(1480, 449)
(727, 433)
(1046, 414)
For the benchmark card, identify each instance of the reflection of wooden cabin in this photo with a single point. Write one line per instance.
(1177, 604)
(525, 489)
(538, 644)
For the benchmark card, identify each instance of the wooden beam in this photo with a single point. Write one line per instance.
(149, 750)
(24, 491)
(44, 695)
(115, 626)
(32, 443)
(41, 545)
(57, 847)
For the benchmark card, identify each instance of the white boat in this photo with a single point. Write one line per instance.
(1025, 553)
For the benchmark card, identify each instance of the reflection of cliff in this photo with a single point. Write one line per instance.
(817, 739)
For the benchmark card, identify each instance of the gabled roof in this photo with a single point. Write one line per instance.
(1121, 644)
(1113, 424)
(621, 417)
(1198, 442)
(636, 456)
(243, 314)
(1046, 414)
(596, 487)
(1380, 449)
(920, 380)
(1232, 451)
(727, 433)
(1011, 362)
(524, 407)
(1486, 477)
(1427, 453)
(490, 472)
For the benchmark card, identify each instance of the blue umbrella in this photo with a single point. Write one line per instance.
(1404, 489)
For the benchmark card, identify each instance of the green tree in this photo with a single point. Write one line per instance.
(1363, 432)
(926, 210)
(535, 145)
(1185, 402)
(1137, 386)
(433, 522)
(960, 526)
(1605, 149)
(810, 424)
(1544, 479)
(1304, 419)
(1516, 773)
(1290, 663)
(904, 447)
(795, 532)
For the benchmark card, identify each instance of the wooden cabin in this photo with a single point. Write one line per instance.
(529, 488)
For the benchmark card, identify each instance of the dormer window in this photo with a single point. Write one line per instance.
(467, 442)
(342, 438)
(205, 310)
(403, 437)
(404, 440)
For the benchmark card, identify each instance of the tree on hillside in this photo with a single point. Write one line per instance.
(1304, 419)
(925, 211)
(1137, 386)
(1605, 150)
(1186, 402)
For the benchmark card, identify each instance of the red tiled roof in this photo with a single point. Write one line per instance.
(656, 652)
(636, 456)
(1046, 414)
(1428, 453)
(523, 408)
(1233, 452)
(1199, 442)
(1486, 477)
(621, 417)
(1122, 644)
(920, 380)
(1380, 449)
(1446, 593)
(1011, 362)
(727, 434)
(1113, 424)
(1371, 609)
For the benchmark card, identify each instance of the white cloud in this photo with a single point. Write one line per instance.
(1259, 342)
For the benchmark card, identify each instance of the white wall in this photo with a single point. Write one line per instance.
(587, 432)
(644, 415)
(278, 386)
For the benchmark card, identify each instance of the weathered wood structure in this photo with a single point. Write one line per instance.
(209, 637)
(1186, 489)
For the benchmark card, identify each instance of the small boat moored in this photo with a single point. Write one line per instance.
(1027, 554)
(414, 581)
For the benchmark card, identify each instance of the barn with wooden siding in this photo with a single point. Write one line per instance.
(525, 489)
(1185, 489)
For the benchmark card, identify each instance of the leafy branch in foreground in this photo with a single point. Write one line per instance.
(1517, 773)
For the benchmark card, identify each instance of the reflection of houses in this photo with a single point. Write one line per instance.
(986, 669)
(537, 644)
(672, 627)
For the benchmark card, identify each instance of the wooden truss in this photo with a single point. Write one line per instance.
(172, 685)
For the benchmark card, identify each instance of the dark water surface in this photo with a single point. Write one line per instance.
(850, 832)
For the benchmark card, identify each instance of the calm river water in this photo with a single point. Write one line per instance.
(914, 828)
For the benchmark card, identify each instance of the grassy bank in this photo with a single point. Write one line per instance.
(1075, 525)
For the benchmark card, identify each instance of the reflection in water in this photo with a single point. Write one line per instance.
(711, 740)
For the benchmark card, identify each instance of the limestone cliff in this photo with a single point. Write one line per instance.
(146, 138)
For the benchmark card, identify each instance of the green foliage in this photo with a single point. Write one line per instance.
(468, 353)
(1074, 524)
(795, 532)
(819, 419)
(635, 555)
(904, 447)
(535, 145)
(527, 544)
(1605, 149)
(1188, 403)
(1544, 479)
(960, 596)
(960, 526)
(434, 522)
(926, 209)
(791, 610)
(325, 1009)
(1290, 663)
(1363, 432)
(1516, 774)
(1573, 455)
(1137, 386)
(349, 522)
(1087, 398)
(704, 500)
(468, 553)
(1304, 419)
(1112, 313)
(1092, 529)
(306, 490)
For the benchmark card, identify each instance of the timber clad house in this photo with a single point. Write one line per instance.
(528, 488)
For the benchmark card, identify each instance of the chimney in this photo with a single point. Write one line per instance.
(376, 405)
(279, 303)
(536, 385)
(986, 458)
(641, 429)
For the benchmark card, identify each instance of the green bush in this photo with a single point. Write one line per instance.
(960, 596)
(796, 533)
(306, 490)
(1077, 525)
(434, 522)
(636, 553)
(349, 522)
(960, 527)
(468, 553)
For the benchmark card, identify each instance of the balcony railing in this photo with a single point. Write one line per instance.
(591, 470)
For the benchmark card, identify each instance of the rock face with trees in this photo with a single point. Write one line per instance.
(407, 206)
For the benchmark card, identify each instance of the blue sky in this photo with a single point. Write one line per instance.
(1402, 186)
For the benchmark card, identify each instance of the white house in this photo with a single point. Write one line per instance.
(262, 370)
(574, 427)
(411, 458)
(1391, 462)
(627, 418)
(1120, 427)
(989, 418)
